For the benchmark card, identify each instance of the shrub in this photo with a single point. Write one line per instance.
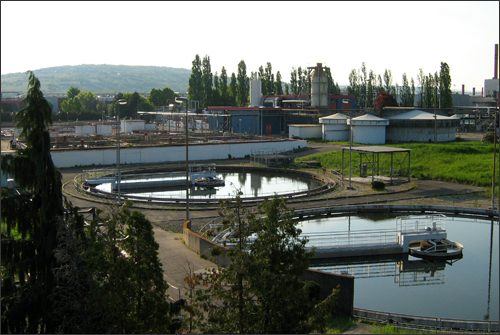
(378, 185)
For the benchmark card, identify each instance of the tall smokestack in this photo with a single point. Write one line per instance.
(473, 91)
(496, 62)
(463, 89)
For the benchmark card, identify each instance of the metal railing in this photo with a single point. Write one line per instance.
(352, 238)
(416, 223)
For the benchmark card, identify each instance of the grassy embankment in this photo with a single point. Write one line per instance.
(458, 162)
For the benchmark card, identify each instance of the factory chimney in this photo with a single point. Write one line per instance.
(463, 89)
(496, 62)
(473, 91)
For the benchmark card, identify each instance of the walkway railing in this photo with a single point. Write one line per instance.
(352, 238)
(428, 322)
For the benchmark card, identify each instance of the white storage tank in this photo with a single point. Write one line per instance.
(319, 87)
(334, 127)
(255, 92)
(368, 129)
(128, 126)
(104, 129)
(85, 130)
(304, 131)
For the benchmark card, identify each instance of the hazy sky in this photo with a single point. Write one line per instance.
(399, 36)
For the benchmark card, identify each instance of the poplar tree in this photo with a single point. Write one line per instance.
(278, 86)
(30, 234)
(207, 83)
(243, 84)
(223, 86)
(195, 90)
(445, 86)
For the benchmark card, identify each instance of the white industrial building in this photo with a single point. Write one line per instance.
(93, 129)
(128, 126)
(334, 127)
(303, 131)
(368, 129)
(420, 126)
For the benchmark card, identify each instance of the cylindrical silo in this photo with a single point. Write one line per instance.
(255, 92)
(319, 87)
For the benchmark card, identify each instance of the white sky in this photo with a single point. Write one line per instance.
(399, 36)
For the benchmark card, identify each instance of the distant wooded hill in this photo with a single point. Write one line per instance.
(101, 79)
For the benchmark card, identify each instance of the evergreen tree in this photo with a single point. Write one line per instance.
(28, 259)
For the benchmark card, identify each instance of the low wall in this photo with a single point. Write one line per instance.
(171, 153)
(326, 281)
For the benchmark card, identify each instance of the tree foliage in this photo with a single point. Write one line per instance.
(385, 99)
(260, 291)
(27, 261)
(446, 100)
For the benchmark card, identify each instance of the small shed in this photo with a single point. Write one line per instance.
(368, 129)
(304, 131)
(334, 127)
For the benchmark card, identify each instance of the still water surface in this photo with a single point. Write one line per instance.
(467, 288)
(252, 184)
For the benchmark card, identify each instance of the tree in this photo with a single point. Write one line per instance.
(278, 85)
(72, 92)
(88, 101)
(195, 90)
(446, 100)
(278, 257)
(406, 97)
(294, 86)
(223, 86)
(243, 87)
(207, 83)
(161, 97)
(421, 83)
(269, 79)
(388, 87)
(385, 99)
(28, 259)
(260, 291)
(233, 90)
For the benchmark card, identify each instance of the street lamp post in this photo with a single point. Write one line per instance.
(119, 102)
(185, 101)
(345, 101)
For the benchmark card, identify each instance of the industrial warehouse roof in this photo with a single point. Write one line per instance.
(368, 119)
(417, 115)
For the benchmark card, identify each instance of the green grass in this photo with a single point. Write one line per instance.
(338, 325)
(389, 329)
(459, 162)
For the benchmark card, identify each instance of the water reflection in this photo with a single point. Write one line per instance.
(406, 270)
(407, 285)
(252, 184)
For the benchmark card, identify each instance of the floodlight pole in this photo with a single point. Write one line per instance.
(345, 101)
(185, 101)
(119, 102)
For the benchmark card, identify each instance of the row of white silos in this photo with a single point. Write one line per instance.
(366, 129)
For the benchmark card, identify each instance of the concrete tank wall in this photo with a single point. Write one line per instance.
(335, 132)
(368, 134)
(86, 157)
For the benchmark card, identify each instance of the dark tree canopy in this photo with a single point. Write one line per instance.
(385, 99)
(27, 258)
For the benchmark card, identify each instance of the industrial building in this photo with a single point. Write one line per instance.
(272, 115)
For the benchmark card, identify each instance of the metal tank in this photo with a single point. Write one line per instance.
(319, 87)
(255, 92)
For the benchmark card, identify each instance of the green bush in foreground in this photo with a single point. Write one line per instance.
(378, 185)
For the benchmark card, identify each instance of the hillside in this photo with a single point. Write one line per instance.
(101, 79)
